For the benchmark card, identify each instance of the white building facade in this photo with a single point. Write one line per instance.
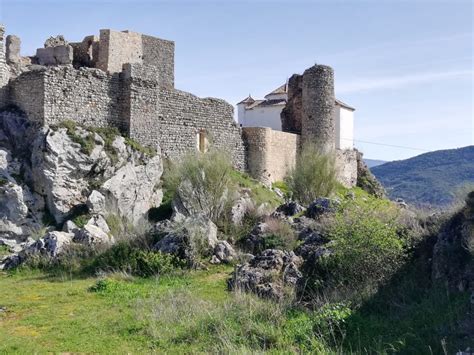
(266, 113)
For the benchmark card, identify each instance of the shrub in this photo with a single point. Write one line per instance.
(366, 251)
(123, 256)
(202, 182)
(313, 176)
(280, 235)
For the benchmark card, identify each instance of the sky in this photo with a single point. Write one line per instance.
(406, 66)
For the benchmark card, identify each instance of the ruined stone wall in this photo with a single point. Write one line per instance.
(87, 96)
(292, 112)
(27, 93)
(4, 75)
(270, 154)
(346, 164)
(117, 48)
(318, 101)
(173, 118)
(160, 54)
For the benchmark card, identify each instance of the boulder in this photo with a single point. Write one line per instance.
(62, 170)
(132, 191)
(92, 235)
(190, 239)
(96, 202)
(269, 274)
(322, 206)
(224, 252)
(288, 209)
(50, 245)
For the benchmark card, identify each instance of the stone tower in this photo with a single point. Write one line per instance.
(317, 124)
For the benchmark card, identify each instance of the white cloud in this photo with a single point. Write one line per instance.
(395, 82)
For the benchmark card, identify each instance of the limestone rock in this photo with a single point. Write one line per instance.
(61, 170)
(100, 222)
(92, 235)
(190, 239)
(366, 180)
(51, 245)
(268, 274)
(224, 252)
(288, 209)
(322, 206)
(132, 191)
(96, 202)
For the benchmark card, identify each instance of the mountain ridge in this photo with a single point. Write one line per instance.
(429, 179)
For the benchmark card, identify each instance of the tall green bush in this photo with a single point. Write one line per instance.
(202, 182)
(313, 176)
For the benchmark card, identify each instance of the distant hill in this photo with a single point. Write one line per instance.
(428, 179)
(373, 162)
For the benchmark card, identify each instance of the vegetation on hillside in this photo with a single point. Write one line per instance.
(368, 289)
(430, 179)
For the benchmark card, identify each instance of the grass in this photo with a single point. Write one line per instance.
(4, 250)
(259, 193)
(191, 312)
(60, 314)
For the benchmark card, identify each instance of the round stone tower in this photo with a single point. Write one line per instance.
(318, 124)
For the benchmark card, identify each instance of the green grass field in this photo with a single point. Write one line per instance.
(41, 313)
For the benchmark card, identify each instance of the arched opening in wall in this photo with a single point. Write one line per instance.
(202, 141)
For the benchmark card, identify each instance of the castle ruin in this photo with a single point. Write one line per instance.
(126, 80)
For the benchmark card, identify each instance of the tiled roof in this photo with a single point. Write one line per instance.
(247, 100)
(283, 89)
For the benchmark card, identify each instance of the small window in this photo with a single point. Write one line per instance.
(202, 142)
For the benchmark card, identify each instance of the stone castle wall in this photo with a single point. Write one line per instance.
(87, 96)
(27, 93)
(4, 75)
(346, 164)
(118, 48)
(173, 118)
(270, 154)
(55, 94)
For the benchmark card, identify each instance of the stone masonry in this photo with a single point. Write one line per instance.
(126, 80)
(317, 123)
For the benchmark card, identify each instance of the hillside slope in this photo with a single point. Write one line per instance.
(430, 178)
(374, 162)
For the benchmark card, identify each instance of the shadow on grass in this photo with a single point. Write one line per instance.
(409, 315)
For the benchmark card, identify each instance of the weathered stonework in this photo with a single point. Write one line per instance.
(126, 80)
(13, 45)
(292, 112)
(139, 99)
(318, 125)
(4, 72)
(270, 154)
(173, 118)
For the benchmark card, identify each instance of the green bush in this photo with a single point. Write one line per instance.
(141, 262)
(313, 176)
(203, 182)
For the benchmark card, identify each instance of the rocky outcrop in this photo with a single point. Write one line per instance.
(189, 239)
(50, 175)
(366, 180)
(453, 253)
(271, 274)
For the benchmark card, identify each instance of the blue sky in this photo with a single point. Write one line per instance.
(407, 66)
